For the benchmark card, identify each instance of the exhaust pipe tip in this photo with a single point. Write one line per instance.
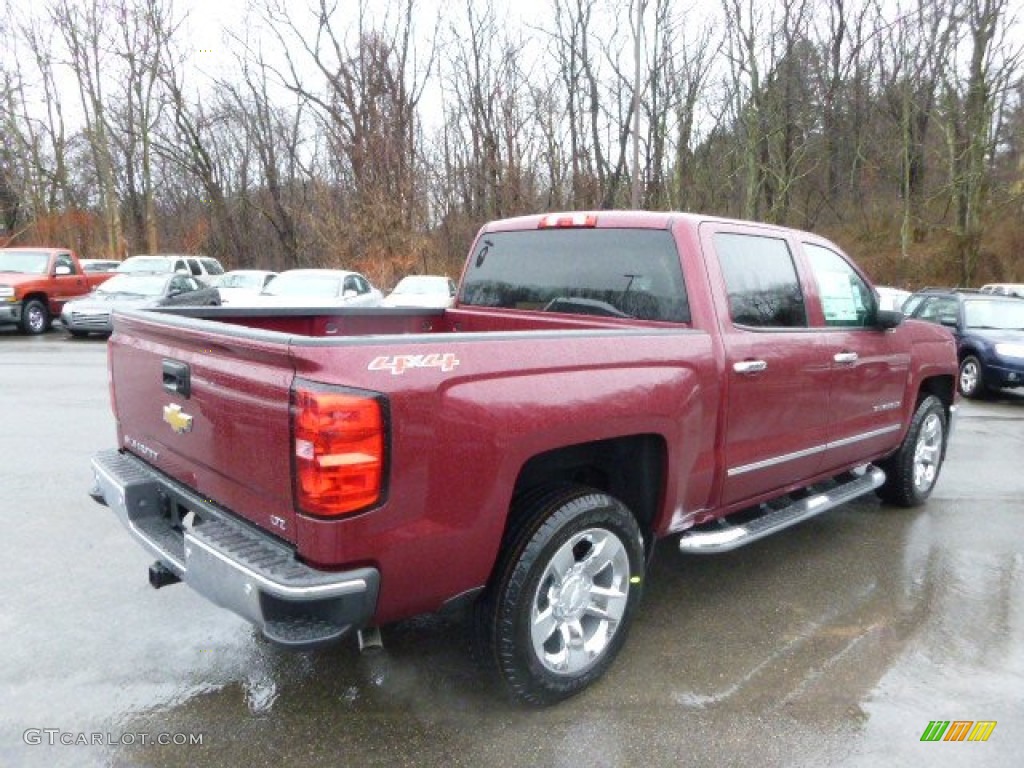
(370, 640)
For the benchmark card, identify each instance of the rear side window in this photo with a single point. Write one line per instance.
(761, 280)
(632, 273)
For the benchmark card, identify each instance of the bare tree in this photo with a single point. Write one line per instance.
(145, 29)
(81, 25)
(275, 134)
(364, 99)
(971, 104)
(910, 65)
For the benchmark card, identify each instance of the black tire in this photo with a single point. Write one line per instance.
(911, 472)
(78, 334)
(971, 380)
(576, 557)
(35, 317)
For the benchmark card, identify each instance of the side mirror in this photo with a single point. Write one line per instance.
(62, 271)
(348, 293)
(948, 320)
(887, 319)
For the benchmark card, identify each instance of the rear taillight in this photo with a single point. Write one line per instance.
(339, 450)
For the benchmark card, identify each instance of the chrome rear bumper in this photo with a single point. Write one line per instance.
(231, 563)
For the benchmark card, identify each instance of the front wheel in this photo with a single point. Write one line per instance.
(971, 381)
(35, 317)
(563, 595)
(911, 472)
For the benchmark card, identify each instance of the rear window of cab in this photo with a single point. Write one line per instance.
(626, 273)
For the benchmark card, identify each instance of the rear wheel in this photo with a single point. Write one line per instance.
(911, 472)
(35, 317)
(563, 595)
(971, 381)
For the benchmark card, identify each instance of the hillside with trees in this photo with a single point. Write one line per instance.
(380, 135)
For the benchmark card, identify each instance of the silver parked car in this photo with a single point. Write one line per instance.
(435, 291)
(91, 314)
(317, 288)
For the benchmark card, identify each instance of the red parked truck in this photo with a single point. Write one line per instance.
(604, 381)
(36, 282)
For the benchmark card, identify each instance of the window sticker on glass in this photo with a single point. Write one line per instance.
(839, 300)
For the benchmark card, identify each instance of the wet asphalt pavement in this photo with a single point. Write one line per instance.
(833, 643)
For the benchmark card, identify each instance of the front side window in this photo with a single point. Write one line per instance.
(846, 299)
(761, 280)
(63, 260)
(940, 310)
(625, 273)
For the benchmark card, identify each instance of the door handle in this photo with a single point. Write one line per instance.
(748, 367)
(845, 357)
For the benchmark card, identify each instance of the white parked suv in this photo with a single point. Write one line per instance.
(1004, 289)
(203, 268)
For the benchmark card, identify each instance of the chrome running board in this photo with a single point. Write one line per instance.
(727, 536)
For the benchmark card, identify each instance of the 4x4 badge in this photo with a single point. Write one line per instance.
(180, 421)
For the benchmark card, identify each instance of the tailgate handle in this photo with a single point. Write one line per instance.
(177, 379)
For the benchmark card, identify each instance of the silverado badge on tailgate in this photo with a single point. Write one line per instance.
(180, 421)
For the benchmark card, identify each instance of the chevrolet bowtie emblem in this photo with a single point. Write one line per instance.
(180, 422)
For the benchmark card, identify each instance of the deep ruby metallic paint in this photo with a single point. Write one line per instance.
(525, 383)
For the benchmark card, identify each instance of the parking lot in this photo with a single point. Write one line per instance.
(834, 643)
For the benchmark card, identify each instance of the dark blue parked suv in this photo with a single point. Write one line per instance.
(989, 331)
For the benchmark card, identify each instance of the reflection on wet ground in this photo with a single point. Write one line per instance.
(834, 643)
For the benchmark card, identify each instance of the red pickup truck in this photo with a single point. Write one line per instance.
(604, 381)
(36, 282)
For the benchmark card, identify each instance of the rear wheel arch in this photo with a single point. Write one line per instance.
(631, 469)
(943, 387)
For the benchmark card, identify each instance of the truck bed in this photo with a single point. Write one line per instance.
(328, 322)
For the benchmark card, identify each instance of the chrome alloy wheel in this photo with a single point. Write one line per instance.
(928, 453)
(579, 602)
(969, 377)
(35, 317)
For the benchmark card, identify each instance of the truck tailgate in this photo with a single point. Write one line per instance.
(211, 410)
